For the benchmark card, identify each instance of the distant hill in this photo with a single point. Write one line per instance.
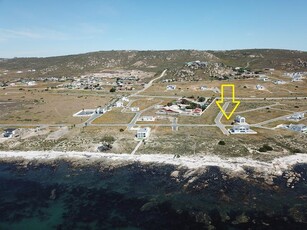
(73, 65)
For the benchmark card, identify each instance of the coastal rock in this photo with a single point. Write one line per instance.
(175, 174)
(148, 206)
(241, 219)
(203, 218)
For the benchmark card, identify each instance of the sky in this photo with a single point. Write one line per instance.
(40, 28)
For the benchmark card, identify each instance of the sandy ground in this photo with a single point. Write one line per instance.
(276, 167)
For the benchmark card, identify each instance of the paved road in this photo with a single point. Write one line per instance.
(218, 118)
(170, 97)
(136, 147)
(266, 98)
(174, 124)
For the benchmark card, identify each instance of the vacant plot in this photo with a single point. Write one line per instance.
(261, 115)
(293, 105)
(40, 107)
(182, 89)
(115, 116)
(145, 103)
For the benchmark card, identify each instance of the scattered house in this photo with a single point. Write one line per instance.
(8, 133)
(143, 133)
(279, 82)
(203, 88)
(135, 109)
(263, 78)
(31, 83)
(119, 104)
(85, 113)
(241, 127)
(197, 64)
(295, 79)
(147, 118)
(259, 87)
(296, 116)
(171, 87)
(297, 128)
(101, 110)
(126, 99)
(269, 69)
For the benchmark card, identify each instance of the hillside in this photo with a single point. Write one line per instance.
(73, 65)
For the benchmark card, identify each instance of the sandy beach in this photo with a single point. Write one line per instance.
(275, 167)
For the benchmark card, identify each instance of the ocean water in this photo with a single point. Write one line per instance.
(145, 197)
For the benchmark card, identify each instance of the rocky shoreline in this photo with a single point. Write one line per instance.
(239, 167)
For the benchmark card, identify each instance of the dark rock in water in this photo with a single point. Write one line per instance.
(147, 197)
(53, 194)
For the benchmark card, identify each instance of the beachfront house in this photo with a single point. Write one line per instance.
(8, 133)
(143, 133)
(241, 127)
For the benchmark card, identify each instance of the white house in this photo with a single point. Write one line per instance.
(171, 87)
(263, 78)
(119, 104)
(147, 118)
(143, 133)
(241, 127)
(126, 99)
(259, 87)
(8, 133)
(100, 110)
(135, 109)
(31, 83)
(298, 128)
(296, 116)
(279, 82)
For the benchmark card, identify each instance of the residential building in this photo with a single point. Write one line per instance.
(135, 109)
(296, 116)
(143, 133)
(279, 82)
(259, 87)
(119, 104)
(8, 133)
(241, 127)
(297, 128)
(171, 87)
(263, 78)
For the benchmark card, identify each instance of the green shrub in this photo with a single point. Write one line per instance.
(222, 143)
(265, 148)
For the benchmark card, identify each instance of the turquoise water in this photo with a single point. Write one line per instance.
(145, 197)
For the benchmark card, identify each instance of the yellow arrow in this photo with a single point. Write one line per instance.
(220, 103)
